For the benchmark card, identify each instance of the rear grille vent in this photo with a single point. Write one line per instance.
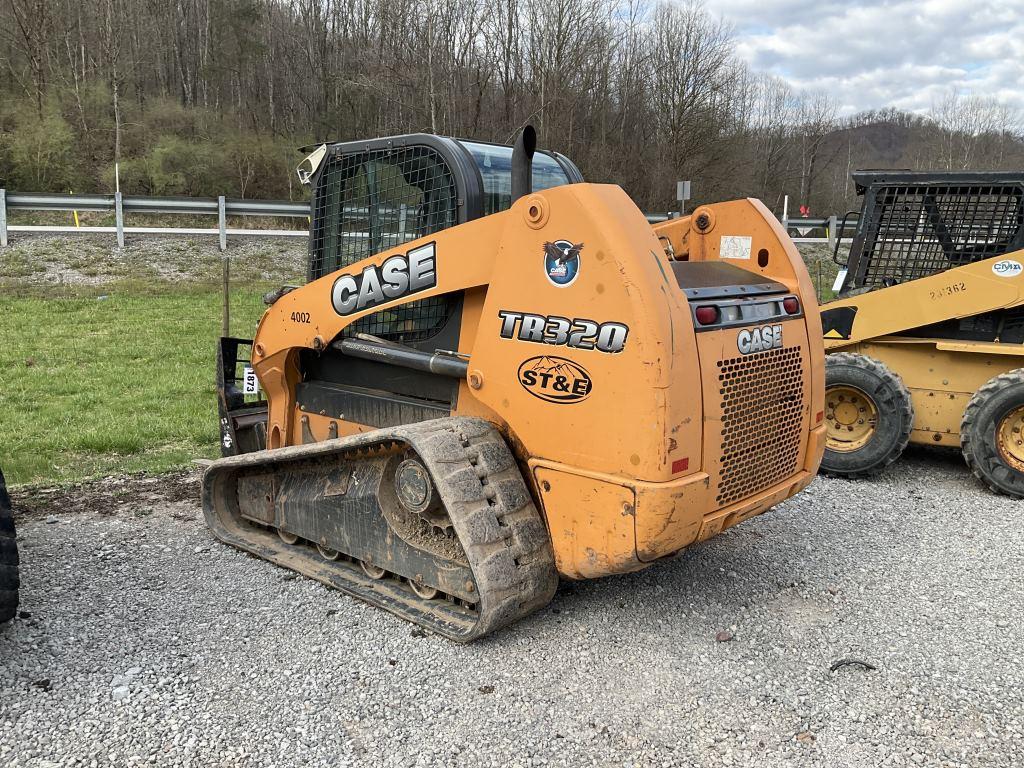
(762, 408)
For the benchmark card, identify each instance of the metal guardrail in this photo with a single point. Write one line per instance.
(222, 207)
(831, 228)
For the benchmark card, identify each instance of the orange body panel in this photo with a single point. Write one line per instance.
(630, 467)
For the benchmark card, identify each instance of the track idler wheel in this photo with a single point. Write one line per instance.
(417, 495)
(327, 553)
(374, 572)
(287, 538)
(422, 590)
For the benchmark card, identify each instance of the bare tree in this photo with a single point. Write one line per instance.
(639, 92)
(816, 119)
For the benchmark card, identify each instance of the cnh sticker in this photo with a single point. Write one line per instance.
(555, 379)
(1007, 268)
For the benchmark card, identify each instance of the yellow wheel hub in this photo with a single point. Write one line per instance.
(1010, 438)
(851, 418)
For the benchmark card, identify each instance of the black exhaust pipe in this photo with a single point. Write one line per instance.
(522, 163)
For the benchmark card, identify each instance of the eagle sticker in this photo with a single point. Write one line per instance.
(562, 262)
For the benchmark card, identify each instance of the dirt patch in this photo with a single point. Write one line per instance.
(109, 495)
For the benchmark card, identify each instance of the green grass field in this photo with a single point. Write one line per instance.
(112, 379)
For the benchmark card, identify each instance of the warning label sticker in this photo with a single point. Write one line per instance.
(734, 247)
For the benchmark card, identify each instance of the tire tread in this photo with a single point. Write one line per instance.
(901, 407)
(982, 458)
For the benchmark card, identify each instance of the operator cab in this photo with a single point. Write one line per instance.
(913, 224)
(369, 196)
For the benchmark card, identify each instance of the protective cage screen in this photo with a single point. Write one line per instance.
(368, 202)
(915, 231)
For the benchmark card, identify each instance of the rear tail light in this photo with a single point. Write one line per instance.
(707, 315)
(791, 304)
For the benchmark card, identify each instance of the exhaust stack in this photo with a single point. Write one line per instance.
(522, 163)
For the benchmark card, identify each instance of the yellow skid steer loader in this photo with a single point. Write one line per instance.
(926, 342)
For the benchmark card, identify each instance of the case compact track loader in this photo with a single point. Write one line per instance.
(926, 341)
(497, 374)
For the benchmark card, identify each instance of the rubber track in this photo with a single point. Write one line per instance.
(9, 581)
(493, 514)
(983, 459)
(902, 406)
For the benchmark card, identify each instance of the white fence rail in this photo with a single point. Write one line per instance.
(221, 207)
(824, 230)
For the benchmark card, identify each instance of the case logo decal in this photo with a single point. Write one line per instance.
(1007, 268)
(562, 262)
(399, 275)
(759, 339)
(555, 379)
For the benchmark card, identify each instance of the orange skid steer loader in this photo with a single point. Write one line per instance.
(498, 374)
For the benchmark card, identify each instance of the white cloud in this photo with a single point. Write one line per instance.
(903, 53)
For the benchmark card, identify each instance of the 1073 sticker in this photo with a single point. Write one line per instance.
(577, 333)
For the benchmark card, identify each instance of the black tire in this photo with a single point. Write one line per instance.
(894, 422)
(997, 398)
(9, 581)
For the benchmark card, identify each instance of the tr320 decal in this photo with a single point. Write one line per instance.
(578, 333)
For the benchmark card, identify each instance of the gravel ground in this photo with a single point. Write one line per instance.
(56, 261)
(144, 641)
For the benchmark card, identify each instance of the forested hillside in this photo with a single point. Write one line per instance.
(207, 97)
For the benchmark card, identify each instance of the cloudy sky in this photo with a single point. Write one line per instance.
(874, 53)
